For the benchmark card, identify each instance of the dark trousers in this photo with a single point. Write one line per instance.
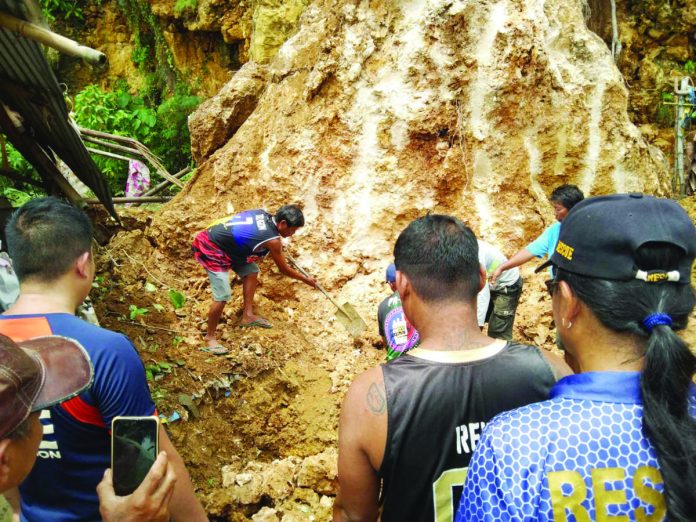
(502, 309)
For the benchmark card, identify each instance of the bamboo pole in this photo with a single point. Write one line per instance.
(142, 199)
(51, 39)
(134, 147)
(161, 186)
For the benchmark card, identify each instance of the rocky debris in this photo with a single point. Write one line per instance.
(217, 119)
(279, 479)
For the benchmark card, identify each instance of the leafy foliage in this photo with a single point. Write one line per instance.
(163, 129)
(185, 5)
(177, 298)
(136, 312)
(65, 9)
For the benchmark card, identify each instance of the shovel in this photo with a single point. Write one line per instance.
(346, 314)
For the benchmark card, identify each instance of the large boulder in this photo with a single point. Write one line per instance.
(217, 119)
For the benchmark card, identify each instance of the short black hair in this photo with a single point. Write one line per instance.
(439, 254)
(567, 195)
(291, 214)
(45, 236)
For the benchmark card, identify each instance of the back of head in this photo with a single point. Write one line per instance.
(567, 195)
(439, 254)
(291, 214)
(45, 236)
(629, 258)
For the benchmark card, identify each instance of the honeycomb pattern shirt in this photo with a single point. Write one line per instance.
(579, 457)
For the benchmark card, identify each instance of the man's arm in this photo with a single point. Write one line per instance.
(184, 506)
(276, 248)
(518, 259)
(362, 436)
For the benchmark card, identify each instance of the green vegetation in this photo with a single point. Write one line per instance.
(162, 128)
(152, 53)
(185, 5)
(177, 298)
(136, 312)
(690, 67)
(66, 9)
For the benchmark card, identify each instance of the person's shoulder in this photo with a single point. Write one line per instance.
(548, 360)
(96, 339)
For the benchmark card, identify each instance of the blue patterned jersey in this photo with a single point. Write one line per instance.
(76, 445)
(578, 457)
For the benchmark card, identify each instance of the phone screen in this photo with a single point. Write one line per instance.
(134, 447)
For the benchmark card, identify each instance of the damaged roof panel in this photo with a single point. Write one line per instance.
(29, 88)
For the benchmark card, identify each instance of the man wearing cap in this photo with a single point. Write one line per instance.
(50, 244)
(398, 334)
(408, 428)
(237, 243)
(40, 373)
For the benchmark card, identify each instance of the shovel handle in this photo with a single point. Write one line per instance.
(304, 273)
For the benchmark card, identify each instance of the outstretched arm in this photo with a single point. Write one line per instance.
(276, 248)
(518, 259)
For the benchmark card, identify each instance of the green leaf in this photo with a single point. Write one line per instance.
(177, 298)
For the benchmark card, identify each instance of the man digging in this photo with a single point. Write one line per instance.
(237, 242)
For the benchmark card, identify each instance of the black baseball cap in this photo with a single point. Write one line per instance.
(600, 236)
(38, 373)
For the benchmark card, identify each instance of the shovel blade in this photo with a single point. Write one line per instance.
(350, 319)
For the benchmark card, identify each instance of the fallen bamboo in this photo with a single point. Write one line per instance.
(51, 39)
(134, 147)
(107, 154)
(161, 186)
(120, 200)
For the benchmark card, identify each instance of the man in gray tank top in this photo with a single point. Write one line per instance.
(408, 427)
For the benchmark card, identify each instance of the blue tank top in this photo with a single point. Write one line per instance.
(242, 235)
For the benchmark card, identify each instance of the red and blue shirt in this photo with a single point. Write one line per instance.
(76, 445)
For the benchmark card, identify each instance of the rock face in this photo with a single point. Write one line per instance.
(377, 113)
(217, 119)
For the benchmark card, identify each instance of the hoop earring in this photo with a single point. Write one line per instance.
(570, 324)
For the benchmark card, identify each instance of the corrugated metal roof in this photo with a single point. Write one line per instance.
(29, 87)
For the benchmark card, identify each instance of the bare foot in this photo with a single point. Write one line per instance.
(211, 342)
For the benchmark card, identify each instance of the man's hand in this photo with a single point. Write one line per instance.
(147, 503)
(311, 282)
(496, 274)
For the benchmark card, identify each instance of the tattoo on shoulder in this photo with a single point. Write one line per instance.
(376, 401)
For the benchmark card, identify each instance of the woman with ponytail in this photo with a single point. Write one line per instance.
(617, 441)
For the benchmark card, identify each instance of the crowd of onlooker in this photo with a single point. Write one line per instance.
(457, 425)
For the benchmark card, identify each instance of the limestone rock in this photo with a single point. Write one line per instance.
(266, 514)
(217, 119)
(376, 113)
(273, 22)
(320, 472)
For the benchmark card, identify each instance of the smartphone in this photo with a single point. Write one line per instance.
(134, 448)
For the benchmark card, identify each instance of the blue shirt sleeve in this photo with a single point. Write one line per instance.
(546, 242)
(120, 387)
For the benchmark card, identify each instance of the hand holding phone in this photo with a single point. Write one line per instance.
(149, 502)
(134, 447)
